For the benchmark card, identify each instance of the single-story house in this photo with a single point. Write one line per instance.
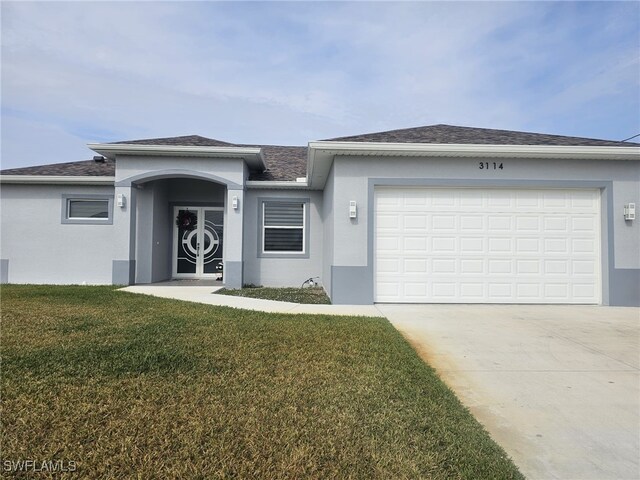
(435, 214)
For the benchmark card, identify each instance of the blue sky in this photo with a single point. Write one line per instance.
(288, 73)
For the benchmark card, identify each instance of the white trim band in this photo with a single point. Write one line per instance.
(58, 179)
(252, 155)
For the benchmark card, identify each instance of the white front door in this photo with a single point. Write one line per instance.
(197, 241)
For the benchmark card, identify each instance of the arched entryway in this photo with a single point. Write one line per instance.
(180, 226)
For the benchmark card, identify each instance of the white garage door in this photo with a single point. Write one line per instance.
(466, 245)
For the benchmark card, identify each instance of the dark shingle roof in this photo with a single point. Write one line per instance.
(184, 141)
(471, 135)
(84, 168)
(283, 163)
(286, 163)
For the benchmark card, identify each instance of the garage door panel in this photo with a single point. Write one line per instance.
(583, 290)
(501, 200)
(472, 266)
(556, 246)
(559, 225)
(583, 267)
(388, 221)
(415, 289)
(584, 224)
(472, 223)
(528, 199)
(583, 246)
(500, 266)
(471, 245)
(440, 245)
(500, 291)
(413, 199)
(500, 245)
(528, 223)
(528, 267)
(415, 265)
(414, 244)
(472, 290)
(444, 290)
(558, 291)
(467, 199)
(440, 198)
(443, 223)
(443, 266)
(487, 246)
(528, 291)
(555, 199)
(415, 222)
(499, 223)
(584, 200)
(389, 266)
(527, 245)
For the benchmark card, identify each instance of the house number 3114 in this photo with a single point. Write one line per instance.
(490, 166)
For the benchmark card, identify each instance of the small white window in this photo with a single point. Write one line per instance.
(283, 227)
(87, 209)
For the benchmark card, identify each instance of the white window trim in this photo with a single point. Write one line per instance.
(304, 253)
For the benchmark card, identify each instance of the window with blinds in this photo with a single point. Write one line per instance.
(283, 227)
(87, 209)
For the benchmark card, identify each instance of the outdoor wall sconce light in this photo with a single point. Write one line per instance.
(121, 201)
(630, 211)
(353, 209)
(234, 203)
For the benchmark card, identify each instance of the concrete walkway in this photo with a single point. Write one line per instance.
(558, 387)
(205, 294)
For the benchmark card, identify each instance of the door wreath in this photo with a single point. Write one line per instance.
(186, 220)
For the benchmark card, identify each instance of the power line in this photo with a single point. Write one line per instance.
(638, 135)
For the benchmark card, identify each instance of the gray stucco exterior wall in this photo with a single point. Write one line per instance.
(619, 182)
(327, 237)
(41, 249)
(282, 272)
(123, 272)
(624, 289)
(162, 234)
(4, 270)
(38, 246)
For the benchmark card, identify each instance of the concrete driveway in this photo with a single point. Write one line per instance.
(557, 386)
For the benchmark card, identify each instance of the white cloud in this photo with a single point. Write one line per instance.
(293, 72)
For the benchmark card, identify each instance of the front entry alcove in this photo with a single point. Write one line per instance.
(161, 251)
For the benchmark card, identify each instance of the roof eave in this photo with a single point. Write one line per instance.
(474, 150)
(321, 153)
(57, 179)
(281, 185)
(253, 156)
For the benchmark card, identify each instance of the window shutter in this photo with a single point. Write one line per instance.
(283, 214)
(283, 240)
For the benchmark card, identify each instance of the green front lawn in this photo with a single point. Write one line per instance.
(314, 295)
(131, 385)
